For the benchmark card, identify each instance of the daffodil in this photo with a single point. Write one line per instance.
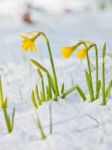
(81, 53)
(67, 51)
(28, 43)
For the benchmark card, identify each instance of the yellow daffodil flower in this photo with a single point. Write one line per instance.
(28, 44)
(67, 51)
(81, 53)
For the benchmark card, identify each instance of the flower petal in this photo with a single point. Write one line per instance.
(66, 51)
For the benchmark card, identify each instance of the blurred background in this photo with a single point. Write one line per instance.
(64, 21)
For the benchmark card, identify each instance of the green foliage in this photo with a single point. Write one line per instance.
(90, 85)
(76, 87)
(99, 84)
(50, 90)
(103, 75)
(107, 93)
(3, 104)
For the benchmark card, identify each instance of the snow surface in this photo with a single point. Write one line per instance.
(76, 125)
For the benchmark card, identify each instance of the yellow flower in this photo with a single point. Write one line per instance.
(67, 51)
(28, 44)
(81, 53)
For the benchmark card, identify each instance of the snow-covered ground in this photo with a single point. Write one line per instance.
(76, 125)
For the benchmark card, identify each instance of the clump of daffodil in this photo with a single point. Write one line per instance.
(28, 43)
(3, 105)
(82, 53)
(67, 51)
(49, 90)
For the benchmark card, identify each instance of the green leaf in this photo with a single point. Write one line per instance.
(47, 93)
(37, 95)
(51, 83)
(62, 88)
(108, 89)
(81, 93)
(42, 82)
(98, 89)
(34, 100)
(3, 104)
(42, 96)
(76, 87)
(67, 92)
(49, 87)
(13, 115)
(40, 73)
(47, 74)
(38, 65)
(90, 86)
(7, 120)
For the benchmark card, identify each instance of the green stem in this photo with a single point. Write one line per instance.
(89, 66)
(89, 85)
(43, 88)
(79, 44)
(96, 55)
(103, 75)
(96, 52)
(88, 61)
(52, 63)
(89, 70)
(7, 120)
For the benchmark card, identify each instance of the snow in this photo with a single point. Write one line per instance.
(76, 125)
